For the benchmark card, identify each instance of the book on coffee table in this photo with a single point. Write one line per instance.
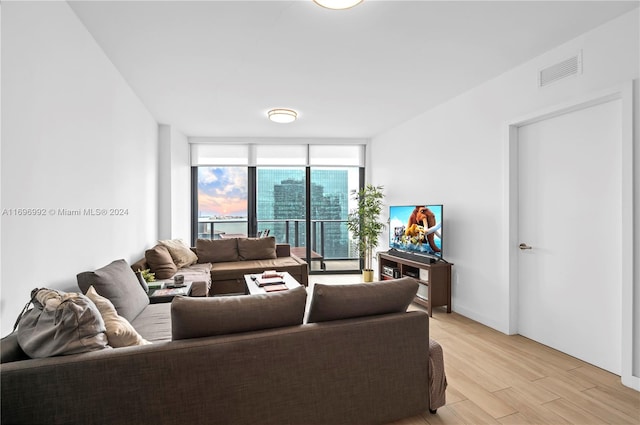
(275, 288)
(271, 273)
(264, 281)
(252, 288)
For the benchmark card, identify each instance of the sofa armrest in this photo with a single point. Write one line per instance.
(141, 264)
(283, 250)
(200, 289)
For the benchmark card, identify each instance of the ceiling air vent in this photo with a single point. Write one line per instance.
(566, 68)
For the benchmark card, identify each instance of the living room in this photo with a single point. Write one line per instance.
(76, 134)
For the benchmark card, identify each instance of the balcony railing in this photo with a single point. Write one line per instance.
(330, 239)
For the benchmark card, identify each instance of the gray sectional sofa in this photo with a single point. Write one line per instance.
(354, 356)
(222, 263)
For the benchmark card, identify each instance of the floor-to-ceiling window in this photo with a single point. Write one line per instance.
(298, 193)
(281, 199)
(220, 190)
(281, 192)
(332, 246)
(222, 201)
(335, 172)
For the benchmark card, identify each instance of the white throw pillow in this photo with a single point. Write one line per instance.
(120, 332)
(180, 252)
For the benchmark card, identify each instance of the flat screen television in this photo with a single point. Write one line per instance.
(417, 230)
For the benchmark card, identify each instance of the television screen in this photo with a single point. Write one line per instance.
(416, 229)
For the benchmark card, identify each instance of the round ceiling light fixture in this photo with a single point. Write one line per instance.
(282, 116)
(337, 4)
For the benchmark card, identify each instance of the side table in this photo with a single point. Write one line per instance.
(168, 291)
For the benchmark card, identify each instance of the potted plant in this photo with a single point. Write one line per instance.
(365, 225)
(147, 275)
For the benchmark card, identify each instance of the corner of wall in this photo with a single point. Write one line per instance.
(174, 184)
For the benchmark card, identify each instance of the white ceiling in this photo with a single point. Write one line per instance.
(214, 68)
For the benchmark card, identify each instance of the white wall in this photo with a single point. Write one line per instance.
(454, 154)
(175, 185)
(74, 136)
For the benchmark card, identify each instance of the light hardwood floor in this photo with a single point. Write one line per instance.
(500, 379)
(496, 378)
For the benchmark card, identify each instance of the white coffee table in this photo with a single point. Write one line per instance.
(253, 288)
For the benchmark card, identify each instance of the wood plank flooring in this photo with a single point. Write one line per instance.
(508, 379)
(500, 379)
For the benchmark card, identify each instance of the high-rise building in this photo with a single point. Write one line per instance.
(281, 199)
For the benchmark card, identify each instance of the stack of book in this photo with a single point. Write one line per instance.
(271, 281)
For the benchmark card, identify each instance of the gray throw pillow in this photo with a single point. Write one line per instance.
(118, 283)
(202, 317)
(335, 302)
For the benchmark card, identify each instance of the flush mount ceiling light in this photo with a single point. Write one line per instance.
(337, 4)
(282, 116)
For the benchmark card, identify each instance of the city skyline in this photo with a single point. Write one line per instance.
(223, 191)
(280, 204)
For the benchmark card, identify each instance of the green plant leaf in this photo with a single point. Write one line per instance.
(364, 221)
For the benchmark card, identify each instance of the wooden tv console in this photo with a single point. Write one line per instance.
(434, 279)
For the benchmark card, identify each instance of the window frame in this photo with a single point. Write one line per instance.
(253, 162)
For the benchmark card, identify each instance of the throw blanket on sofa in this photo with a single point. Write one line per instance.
(437, 378)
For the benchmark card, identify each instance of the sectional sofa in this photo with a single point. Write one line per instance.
(220, 265)
(354, 356)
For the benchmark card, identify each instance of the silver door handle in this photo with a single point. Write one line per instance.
(524, 246)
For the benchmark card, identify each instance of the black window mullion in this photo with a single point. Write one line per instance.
(194, 205)
(308, 211)
(252, 202)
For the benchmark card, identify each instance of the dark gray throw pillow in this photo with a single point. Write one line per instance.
(118, 283)
(202, 317)
(335, 302)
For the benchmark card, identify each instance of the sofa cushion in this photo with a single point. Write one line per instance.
(200, 276)
(257, 248)
(196, 273)
(160, 262)
(334, 302)
(118, 283)
(180, 252)
(120, 333)
(154, 323)
(235, 270)
(202, 317)
(217, 251)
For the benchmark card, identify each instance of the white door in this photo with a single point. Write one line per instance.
(569, 213)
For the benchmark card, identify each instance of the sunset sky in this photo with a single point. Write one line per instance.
(222, 191)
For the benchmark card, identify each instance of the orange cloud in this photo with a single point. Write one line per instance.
(221, 205)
